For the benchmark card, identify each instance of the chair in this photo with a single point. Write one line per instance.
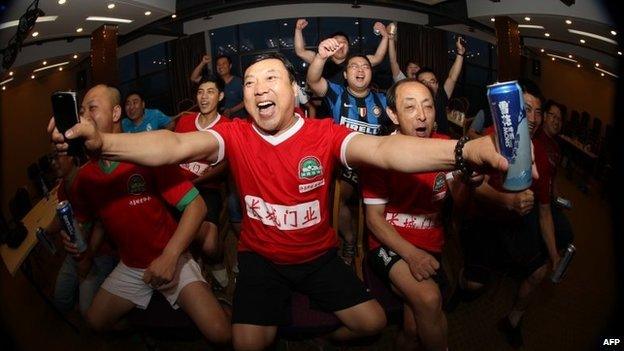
(594, 135)
(583, 128)
(573, 125)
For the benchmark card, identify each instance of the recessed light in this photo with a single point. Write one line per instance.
(568, 22)
(75, 56)
(50, 66)
(597, 64)
(45, 63)
(174, 16)
(35, 34)
(562, 58)
(32, 76)
(527, 18)
(553, 58)
(578, 65)
(147, 13)
(11, 73)
(492, 19)
(613, 32)
(79, 29)
(605, 72)
(60, 68)
(592, 35)
(541, 50)
(620, 53)
(570, 56)
(108, 19)
(61, 2)
(111, 6)
(3, 87)
(602, 74)
(546, 34)
(582, 41)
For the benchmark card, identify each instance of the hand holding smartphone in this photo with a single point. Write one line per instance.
(65, 111)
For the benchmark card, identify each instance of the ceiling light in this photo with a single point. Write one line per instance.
(16, 22)
(50, 66)
(533, 26)
(32, 77)
(546, 34)
(6, 81)
(613, 32)
(147, 13)
(562, 57)
(597, 64)
(582, 41)
(3, 87)
(35, 34)
(619, 53)
(605, 72)
(578, 65)
(592, 35)
(75, 56)
(45, 63)
(111, 6)
(79, 29)
(60, 68)
(61, 2)
(174, 16)
(108, 19)
(541, 50)
(570, 56)
(527, 19)
(602, 74)
(568, 22)
(11, 73)
(492, 19)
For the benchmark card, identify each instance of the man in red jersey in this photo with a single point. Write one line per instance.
(206, 178)
(283, 166)
(131, 203)
(404, 212)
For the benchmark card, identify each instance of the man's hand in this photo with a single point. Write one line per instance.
(482, 154)
(459, 46)
(329, 47)
(84, 129)
(161, 271)
(69, 246)
(206, 59)
(422, 265)
(301, 24)
(522, 202)
(381, 28)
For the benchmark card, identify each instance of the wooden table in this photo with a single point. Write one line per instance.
(41, 215)
(579, 147)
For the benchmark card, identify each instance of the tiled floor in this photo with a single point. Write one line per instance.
(568, 316)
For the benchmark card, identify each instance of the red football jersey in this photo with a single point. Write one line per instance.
(131, 202)
(284, 185)
(189, 122)
(413, 204)
(547, 155)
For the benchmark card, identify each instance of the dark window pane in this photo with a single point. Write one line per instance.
(154, 84)
(127, 68)
(153, 59)
(369, 41)
(476, 75)
(287, 33)
(224, 41)
(258, 36)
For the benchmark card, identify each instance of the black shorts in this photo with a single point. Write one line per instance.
(214, 203)
(516, 245)
(263, 289)
(383, 258)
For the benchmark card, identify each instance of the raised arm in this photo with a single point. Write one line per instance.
(197, 71)
(451, 80)
(300, 50)
(410, 155)
(382, 48)
(326, 49)
(392, 55)
(154, 148)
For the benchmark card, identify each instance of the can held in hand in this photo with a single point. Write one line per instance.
(45, 240)
(392, 29)
(68, 223)
(512, 133)
(563, 202)
(563, 265)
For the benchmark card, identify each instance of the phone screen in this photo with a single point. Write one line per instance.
(65, 117)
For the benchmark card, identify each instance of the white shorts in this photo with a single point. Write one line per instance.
(127, 282)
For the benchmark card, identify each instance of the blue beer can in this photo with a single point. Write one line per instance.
(512, 133)
(68, 223)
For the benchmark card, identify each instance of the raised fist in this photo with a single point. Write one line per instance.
(301, 24)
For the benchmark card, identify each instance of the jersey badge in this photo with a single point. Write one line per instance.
(136, 184)
(310, 167)
(376, 111)
(439, 187)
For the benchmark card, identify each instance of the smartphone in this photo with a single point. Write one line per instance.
(65, 112)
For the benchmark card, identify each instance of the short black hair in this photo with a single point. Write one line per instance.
(550, 103)
(352, 56)
(340, 33)
(529, 87)
(391, 93)
(277, 56)
(135, 92)
(424, 70)
(229, 59)
(219, 83)
(412, 61)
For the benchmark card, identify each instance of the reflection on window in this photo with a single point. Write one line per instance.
(258, 36)
(224, 41)
(153, 59)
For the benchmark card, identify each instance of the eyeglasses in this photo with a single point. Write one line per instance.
(356, 66)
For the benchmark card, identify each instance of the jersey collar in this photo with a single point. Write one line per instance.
(199, 127)
(276, 140)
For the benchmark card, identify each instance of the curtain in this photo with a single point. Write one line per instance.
(425, 45)
(185, 55)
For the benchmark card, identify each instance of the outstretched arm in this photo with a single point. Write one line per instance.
(300, 50)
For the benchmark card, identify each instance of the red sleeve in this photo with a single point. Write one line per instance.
(182, 126)
(541, 186)
(341, 136)
(374, 186)
(174, 187)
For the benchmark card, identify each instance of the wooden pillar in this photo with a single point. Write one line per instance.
(104, 55)
(508, 37)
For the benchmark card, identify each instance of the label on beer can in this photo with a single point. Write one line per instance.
(70, 225)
